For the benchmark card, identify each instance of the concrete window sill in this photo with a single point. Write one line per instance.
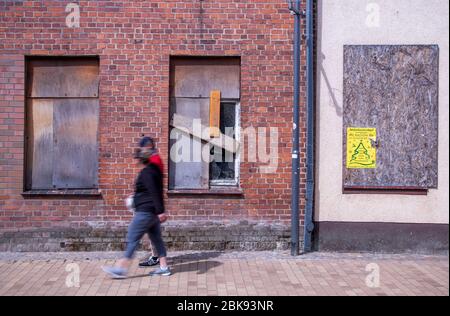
(77, 193)
(233, 192)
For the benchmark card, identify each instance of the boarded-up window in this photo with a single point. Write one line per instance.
(62, 123)
(206, 92)
(393, 89)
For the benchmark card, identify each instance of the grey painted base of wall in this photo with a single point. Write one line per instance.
(183, 236)
(381, 237)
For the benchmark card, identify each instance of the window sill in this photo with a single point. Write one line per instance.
(77, 193)
(236, 192)
(385, 190)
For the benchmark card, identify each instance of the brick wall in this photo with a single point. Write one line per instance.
(134, 41)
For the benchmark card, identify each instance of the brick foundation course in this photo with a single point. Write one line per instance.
(178, 236)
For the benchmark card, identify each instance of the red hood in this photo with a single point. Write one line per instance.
(156, 160)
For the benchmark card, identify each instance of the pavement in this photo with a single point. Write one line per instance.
(207, 273)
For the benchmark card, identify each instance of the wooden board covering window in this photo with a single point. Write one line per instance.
(75, 126)
(63, 77)
(62, 120)
(395, 90)
(194, 173)
(197, 77)
(40, 144)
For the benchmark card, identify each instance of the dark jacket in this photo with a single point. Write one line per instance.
(149, 190)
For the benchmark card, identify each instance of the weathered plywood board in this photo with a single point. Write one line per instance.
(196, 78)
(40, 143)
(51, 78)
(395, 90)
(193, 172)
(76, 126)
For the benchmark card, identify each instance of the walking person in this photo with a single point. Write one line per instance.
(149, 212)
(152, 258)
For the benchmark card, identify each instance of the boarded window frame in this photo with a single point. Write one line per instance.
(85, 94)
(230, 89)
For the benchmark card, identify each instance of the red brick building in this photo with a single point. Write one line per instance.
(121, 58)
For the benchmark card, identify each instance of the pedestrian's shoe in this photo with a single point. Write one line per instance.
(116, 272)
(152, 261)
(161, 271)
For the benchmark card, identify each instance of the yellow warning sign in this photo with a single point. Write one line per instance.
(361, 148)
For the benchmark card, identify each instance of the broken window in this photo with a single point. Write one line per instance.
(62, 108)
(225, 164)
(204, 113)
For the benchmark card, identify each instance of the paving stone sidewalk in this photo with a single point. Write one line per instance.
(228, 274)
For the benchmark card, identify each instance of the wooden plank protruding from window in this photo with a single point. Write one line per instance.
(214, 114)
(185, 124)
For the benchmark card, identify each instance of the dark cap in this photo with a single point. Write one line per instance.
(146, 141)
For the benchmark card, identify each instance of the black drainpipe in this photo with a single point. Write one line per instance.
(309, 225)
(296, 135)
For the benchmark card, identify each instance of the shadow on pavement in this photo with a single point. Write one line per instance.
(198, 261)
(196, 256)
